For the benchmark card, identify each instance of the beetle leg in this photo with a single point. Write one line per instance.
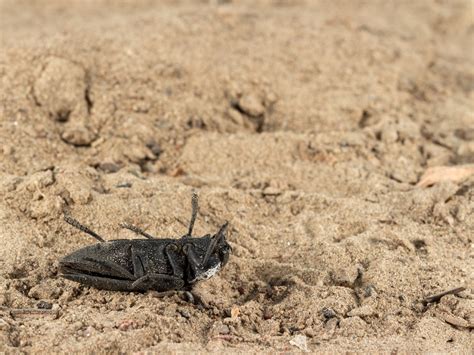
(188, 249)
(136, 230)
(158, 282)
(82, 228)
(193, 260)
(138, 267)
(177, 271)
(91, 265)
(103, 283)
(212, 245)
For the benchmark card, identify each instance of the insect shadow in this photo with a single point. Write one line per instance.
(139, 265)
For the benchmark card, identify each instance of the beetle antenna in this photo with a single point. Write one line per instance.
(136, 230)
(195, 208)
(82, 228)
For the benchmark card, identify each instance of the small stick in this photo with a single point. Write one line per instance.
(437, 297)
(22, 312)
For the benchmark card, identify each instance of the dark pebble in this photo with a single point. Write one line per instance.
(109, 167)
(267, 314)
(184, 313)
(155, 148)
(44, 305)
(328, 313)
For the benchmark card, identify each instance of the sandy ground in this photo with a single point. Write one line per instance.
(306, 124)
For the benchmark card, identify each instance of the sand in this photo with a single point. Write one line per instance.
(337, 138)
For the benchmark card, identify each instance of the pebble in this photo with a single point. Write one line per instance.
(389, 134)
(184, 313)
(127, 324)
(109, 167)
(78, 135)
(300, 342)
(88, 331)
(267, 314)
(331, 324)
(3, 324)
(271, 191)
(251, 105)
(465, 152)
(236, 116)
(222, 329)
(363, 311)
(155, 148)
(44, 305)
(328, 313)
(466, 134)
(453, 320)
(44, 291)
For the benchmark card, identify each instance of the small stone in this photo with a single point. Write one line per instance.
(222, 329)
(44, 305)
(300, 342)
(236, 116)
(127, 324)
(389, 134)
(363, 311)
(328, 313)
(88, 331)
(234, 312)
(3, 324)
(8, 149)
(465, 152)
(184, 313)
(77, 325)
(466, 134)
(78, 136)
(109, 167)
(141, 107)
(138, 153)
(39, 180)
(251, 105)
(155, 148)
(267, 314)
(331, 324)
(44, 291)
(271, 191)
(80, 195)
(453, 320)
(353, 326)
(439, 174)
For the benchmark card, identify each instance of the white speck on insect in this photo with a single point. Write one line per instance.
(208, 273)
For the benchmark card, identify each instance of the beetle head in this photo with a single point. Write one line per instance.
(217, 255)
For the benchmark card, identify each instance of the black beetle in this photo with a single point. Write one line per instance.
(139, 265)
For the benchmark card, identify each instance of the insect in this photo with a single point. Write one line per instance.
(138, 265)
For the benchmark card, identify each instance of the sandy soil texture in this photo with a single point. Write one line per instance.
(336, 137)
